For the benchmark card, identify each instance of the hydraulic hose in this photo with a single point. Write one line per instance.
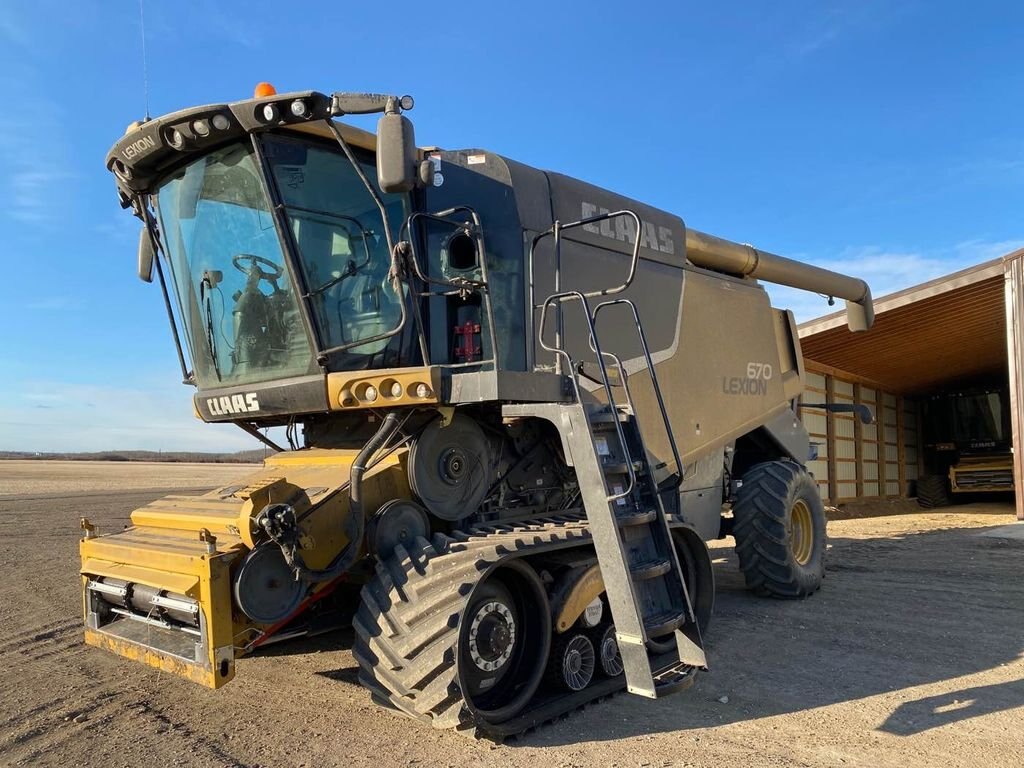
(355, 525)
(374, 444)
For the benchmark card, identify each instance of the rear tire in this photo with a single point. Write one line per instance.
(779, 527)
(933, 491)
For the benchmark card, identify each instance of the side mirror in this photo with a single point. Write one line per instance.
(146, 256)
(397, 169)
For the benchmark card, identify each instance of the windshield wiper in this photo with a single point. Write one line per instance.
(211, 335)
(144, 206)
(350, 270)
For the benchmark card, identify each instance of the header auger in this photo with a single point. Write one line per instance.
(524, 402)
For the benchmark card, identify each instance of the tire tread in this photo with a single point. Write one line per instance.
(760, 513)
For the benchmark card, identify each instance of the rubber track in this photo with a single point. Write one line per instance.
(407, 625)
(759, 528)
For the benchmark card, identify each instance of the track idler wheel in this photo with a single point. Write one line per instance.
(398, 522)
(504, 640)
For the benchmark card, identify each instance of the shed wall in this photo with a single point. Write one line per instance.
(857, 460)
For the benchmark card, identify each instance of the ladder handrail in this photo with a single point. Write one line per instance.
(555, 231)
(557, 228)
(560, 298)
(649, 362)
(623, 377)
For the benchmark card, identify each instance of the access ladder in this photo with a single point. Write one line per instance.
(655, 625)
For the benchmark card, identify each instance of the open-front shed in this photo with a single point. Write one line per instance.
(959, 331)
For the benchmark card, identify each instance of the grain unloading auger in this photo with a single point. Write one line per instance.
(524, 404)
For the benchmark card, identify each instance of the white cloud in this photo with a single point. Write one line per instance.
(31, 193)
(815, 41)
(245, 30)
(32, 189)
(1002, 165)
(54, 304)
(977, 251)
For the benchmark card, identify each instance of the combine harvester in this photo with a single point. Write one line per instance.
(517, 405)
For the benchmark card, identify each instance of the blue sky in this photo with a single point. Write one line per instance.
(879, 138)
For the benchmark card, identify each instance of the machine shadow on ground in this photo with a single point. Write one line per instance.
(894, 613)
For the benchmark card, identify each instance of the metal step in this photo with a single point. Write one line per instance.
(604, 420)
(634, 550)
(650, 569)
(622, 468)
(674, 678)
(664, 622)
(636, 517)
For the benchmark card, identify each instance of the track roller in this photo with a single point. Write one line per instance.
(609, 658)
(573, 661)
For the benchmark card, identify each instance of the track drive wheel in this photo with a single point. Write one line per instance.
(779, 526)
(450, 653)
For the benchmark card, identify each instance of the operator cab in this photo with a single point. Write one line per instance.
(277, 230)
(242, 307)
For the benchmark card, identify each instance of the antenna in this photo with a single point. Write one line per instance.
(145, 69)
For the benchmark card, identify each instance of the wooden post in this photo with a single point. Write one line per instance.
(830, 441)
(920, 439)
(858, 445)
(901, 447)
(1013, 299)
(880, 443)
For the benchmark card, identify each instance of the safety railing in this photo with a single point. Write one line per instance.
(555, 232)
(559, 298)
(655, 385)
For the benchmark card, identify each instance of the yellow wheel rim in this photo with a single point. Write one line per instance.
(801, 536)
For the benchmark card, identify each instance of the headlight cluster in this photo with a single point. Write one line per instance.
(181, 135)
(148, 148)
(386, 391)
(279, 112)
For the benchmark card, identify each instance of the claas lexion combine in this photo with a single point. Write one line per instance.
(517, 405)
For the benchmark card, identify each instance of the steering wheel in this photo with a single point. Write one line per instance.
(256, 266)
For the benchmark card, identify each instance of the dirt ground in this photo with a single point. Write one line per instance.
(910, 656)
(38, 478)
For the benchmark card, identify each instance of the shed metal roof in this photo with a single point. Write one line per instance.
(946, 330)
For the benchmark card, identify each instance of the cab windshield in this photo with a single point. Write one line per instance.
(239, 308)
(978, 417)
